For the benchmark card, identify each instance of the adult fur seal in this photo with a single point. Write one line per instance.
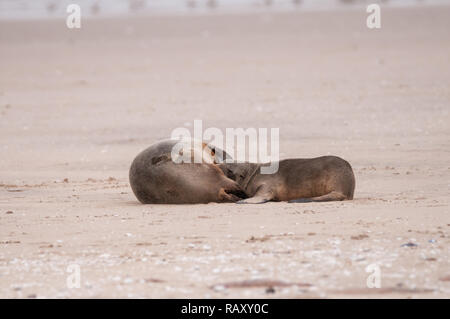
(156, 178)
(326, 178)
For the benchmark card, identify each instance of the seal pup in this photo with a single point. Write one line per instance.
(158, 175)
(321, 179)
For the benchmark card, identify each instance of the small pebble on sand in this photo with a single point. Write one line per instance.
(409, 245)
(270, 290)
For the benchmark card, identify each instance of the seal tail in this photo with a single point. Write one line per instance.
(333, 196)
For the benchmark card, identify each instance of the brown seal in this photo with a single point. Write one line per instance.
(156, 178)
(326, 178)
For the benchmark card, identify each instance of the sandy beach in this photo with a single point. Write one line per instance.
(76, 106)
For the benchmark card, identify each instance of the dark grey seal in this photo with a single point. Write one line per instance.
(156, 178)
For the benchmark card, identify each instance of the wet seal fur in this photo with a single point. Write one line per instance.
(156, 179)
(326, 178)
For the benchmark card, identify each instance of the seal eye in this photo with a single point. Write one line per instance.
(156, 160)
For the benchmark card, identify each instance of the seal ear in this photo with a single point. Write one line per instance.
(158, 159)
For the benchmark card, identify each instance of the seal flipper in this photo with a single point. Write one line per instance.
(254, 200)
(301, 200)
(232, 192)
(236, 193)
(333, 196)
(263, 195)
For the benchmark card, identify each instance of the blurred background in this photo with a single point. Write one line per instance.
(77, 106)
(32, 9)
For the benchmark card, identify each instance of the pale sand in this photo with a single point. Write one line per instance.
(80, 104)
